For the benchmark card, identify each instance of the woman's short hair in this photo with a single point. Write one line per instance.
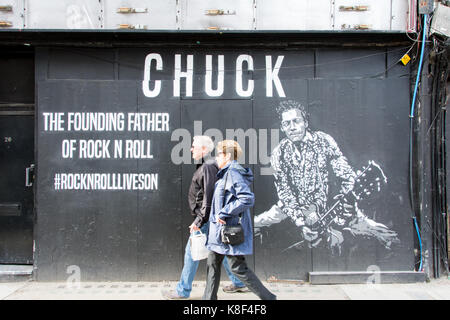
(204, 141)
(231, 147)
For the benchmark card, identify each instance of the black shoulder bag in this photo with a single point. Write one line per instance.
(232, 235)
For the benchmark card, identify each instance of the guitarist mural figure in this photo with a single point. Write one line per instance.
(302, 163)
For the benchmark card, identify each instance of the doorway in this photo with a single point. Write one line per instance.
(16, 156)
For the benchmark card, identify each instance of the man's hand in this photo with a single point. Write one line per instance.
(193, 228)
(346, 208)
(220, 221)
(309, 235)
(311, 215)
(348, 203)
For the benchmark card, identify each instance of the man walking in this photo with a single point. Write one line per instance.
(200, 196)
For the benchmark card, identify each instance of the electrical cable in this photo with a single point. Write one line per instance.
(419, 70)
(388, 68)
(415, 40)
(420, 243)
(138, 66)
(420, 65)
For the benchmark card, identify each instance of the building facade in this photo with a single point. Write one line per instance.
(100, 101)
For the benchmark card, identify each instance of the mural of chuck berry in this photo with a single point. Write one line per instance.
(303, 163)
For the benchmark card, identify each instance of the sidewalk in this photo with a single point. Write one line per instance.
(437, 289)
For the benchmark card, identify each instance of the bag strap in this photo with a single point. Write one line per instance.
(223, 193)
(224, 186)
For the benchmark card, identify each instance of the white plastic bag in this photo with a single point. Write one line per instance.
(198, 246)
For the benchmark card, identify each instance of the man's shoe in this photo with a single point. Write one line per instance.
(172, 295)
(232, 289)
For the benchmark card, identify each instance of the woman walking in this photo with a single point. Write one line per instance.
(231, 205)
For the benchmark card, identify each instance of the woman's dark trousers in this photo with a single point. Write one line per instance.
(239, 267)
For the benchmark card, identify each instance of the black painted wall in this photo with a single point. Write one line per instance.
(360, 97)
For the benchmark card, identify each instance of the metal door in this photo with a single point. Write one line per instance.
(73, 14)
(217, 15)
(16, 157)
(16, 194)
(353, 14)
(140, 14)
(294, 15)
(11, 14)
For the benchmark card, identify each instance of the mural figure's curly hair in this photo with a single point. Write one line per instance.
(287, 105)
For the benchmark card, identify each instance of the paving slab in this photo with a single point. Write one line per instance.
(31, 290)
(7, 289)
(436, 290)
(153, 291)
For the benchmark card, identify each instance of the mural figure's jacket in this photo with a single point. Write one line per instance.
(237, 198)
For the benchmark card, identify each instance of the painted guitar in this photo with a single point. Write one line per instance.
(370, 180)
